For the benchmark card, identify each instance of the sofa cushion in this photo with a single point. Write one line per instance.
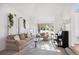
(16, 37)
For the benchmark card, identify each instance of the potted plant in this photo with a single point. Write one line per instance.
(10, 18)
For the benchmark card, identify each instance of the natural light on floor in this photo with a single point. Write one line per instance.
(49, 47)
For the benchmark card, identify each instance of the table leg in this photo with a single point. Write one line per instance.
(35, 43)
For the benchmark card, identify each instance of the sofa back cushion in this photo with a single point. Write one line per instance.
(10, 37)
(22, 36)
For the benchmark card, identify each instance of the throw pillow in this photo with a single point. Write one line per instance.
(16, 37)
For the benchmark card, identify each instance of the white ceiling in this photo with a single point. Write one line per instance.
(43, 11)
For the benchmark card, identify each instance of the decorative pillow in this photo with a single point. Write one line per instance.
(22, 36)
(16, 37)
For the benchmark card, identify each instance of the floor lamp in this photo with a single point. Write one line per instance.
(19, 24)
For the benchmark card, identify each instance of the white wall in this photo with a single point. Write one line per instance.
(4, 11)
(3, 26)
(75, 27)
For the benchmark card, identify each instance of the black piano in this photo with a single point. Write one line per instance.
(62, 40)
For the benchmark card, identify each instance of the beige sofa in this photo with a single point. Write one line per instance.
(12, 44)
